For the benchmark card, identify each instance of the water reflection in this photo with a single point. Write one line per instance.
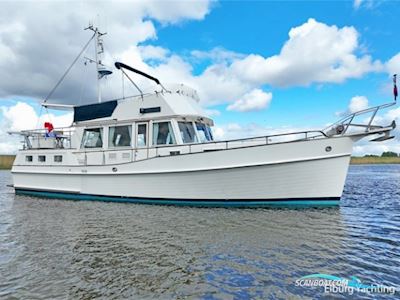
(65, 249)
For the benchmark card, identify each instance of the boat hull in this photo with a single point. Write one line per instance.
(321, 202)
(296, 174)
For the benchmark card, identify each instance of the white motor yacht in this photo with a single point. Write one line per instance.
(158, 148)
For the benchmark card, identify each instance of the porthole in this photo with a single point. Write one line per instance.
(328, 149)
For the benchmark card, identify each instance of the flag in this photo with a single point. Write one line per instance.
(49, 128)
(394, 87)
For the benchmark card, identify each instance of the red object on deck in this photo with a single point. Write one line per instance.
(48, 126)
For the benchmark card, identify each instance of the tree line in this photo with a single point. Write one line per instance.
(384, 154)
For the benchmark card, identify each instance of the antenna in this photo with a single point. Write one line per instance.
(101, 70)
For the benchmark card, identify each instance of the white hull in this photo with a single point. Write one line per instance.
(286, 171)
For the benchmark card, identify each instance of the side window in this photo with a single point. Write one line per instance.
(187, 132)
(42, 158)
(163, 134)
(92, 138)
(28, 158)
(119, 136)
(141, 135)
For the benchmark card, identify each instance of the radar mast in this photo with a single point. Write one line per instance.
(101, 69)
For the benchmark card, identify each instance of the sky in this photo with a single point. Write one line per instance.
(259, 67)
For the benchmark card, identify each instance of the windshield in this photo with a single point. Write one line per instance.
(187, 132)
(163, 134)
(204, 132)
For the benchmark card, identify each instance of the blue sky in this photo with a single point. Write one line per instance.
(215, 46)
(262, 27)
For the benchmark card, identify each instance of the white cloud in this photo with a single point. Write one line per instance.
(252, 101)
(357, 3)
(375, 148)
(153, 52)
(393, 114)
(177, 11)
(363, 147)
(366, 147)
(369, 4)
(315, 52)
(218, 133)
(212, 112)
(217, 54)
(22, 116)
(393, 64)
(38, 41)
(237, 131)
(358, 103)
(217, 85)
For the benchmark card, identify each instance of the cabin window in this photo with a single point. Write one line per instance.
(28, 158)
(120, 136)
(163, 134)
(210, 133)
(204, 132)
(58, 158)
(92, 138)
(42, 158)
(188, 133)
(141, 135)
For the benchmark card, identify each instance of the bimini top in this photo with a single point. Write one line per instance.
(94, 111)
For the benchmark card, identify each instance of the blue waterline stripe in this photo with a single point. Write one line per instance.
(329, 202)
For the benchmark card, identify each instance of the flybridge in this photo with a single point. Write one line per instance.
(106, 109)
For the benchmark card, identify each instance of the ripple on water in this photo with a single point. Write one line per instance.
(64, 249)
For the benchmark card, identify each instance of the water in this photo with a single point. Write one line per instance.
(59, 249)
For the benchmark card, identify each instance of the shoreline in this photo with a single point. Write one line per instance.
(6, 161)
(355, 160)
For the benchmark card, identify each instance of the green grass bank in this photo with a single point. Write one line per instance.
(374, 160)
(6, 161)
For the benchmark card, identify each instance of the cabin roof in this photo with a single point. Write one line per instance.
(178, 100)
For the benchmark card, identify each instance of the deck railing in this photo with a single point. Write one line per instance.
(58, 138)
(138, 154)
(62, 138)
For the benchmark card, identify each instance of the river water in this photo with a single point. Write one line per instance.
(57, 249)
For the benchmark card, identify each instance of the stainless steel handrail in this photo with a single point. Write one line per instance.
(348, 119)
(61, 135)
(225, 144)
